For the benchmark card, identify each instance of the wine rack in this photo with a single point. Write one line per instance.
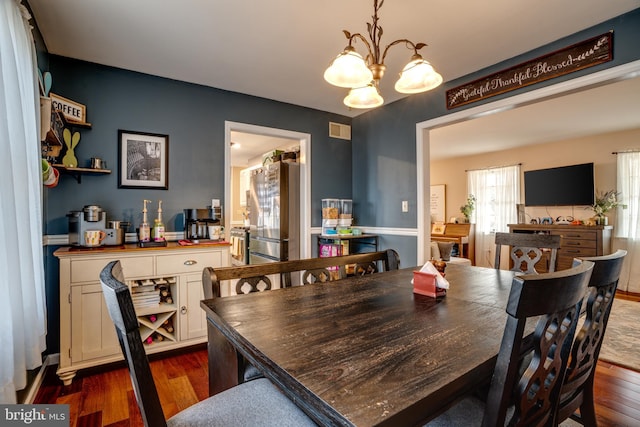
(156, 309)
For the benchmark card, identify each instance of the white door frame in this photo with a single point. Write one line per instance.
(621, 72)
(305, 174)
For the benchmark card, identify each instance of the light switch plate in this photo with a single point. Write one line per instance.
(405, 206)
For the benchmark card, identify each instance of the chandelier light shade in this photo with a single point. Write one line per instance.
(418, 76)
(364, 97)
(350, 70)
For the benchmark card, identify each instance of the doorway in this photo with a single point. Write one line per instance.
(625, 71)
(301, 139)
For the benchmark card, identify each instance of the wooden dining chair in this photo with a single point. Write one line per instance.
(251, 403)
(528, 396)
(312, 270)
(577, 388)
(391, 262)
(211, 284)
(526, 250)
(211, 289)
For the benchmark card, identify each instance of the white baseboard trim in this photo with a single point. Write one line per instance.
(54, 358)
(34, 387)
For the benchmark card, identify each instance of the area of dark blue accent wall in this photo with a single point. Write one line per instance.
(384, 139)
(193, 116)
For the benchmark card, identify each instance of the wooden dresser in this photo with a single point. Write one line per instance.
(577, 240)
(462, 235)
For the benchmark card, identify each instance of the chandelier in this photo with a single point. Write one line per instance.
(362, 75)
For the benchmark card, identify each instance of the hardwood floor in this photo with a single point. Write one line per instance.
(104, 397)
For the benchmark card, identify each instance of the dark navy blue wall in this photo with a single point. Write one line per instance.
(193, 116)
(384, 140)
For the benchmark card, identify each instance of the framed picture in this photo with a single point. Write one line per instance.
(143, 160)
(438, 228)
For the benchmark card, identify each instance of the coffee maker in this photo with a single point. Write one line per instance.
(196, 222)
(91, 217)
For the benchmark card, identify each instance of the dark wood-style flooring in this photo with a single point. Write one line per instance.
(104, 397)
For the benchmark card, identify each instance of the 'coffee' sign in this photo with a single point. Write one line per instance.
(573, 58)
(71, 110)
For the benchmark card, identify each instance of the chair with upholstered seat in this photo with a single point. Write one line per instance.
(529, 396)
(526, 250)
(577, 389)
(252, 403)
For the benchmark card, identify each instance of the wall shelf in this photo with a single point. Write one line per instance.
(78, 172)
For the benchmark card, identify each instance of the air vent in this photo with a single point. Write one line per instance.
(340, 131)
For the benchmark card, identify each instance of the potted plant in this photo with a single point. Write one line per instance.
(604, 203)
(468, 208)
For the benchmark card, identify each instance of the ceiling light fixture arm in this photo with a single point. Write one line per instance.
(410, 45)
(370, 56)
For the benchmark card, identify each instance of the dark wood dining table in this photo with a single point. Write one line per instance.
(365, 350)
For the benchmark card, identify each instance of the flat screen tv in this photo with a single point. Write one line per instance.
(562, 186)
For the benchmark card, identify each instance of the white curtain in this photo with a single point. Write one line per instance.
(497, 191)
(627, 230)
(22, 293)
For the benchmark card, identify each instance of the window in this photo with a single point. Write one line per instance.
(497, 191)
(629, 188)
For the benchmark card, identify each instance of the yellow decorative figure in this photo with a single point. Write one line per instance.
(69, 159)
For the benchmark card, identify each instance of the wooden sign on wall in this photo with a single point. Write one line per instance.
(581, 55)
(437, 203)
(72, 111)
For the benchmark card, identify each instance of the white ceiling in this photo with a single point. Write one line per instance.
(248, 148)
(279, 49)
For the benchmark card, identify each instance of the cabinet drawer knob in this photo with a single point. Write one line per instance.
(190, 262)
(183, 310)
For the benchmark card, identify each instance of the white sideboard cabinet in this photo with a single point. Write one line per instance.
(172, 274)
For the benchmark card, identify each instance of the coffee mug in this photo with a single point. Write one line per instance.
(214, 232)
(46, 170)
(98, 163)
(94, 237)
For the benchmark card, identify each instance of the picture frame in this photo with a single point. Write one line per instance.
(143, 160)
(437, 203)
(438, 228)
